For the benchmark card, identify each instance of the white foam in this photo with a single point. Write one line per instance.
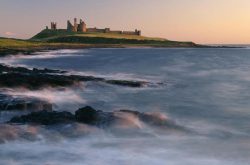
(14, 59)
(62, 98)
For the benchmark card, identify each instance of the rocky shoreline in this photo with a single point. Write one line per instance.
(40, 112)
(34, 79)
(32, 50)
(87, 121)
(37, 79)
(90, 116)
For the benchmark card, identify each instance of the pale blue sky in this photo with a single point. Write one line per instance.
(201, 21)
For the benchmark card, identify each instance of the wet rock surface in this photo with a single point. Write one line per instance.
(8, 103)
(5, 68)
(86, 115)
(90, 116)
(39, 78)
(45, 118)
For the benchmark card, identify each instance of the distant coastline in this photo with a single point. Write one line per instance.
(53, 38)
(16, 46)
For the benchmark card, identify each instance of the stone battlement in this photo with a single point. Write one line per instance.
(82, 27)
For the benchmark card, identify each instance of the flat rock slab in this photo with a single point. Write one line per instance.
(39, 78)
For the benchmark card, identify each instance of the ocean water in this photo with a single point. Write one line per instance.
(205, 91)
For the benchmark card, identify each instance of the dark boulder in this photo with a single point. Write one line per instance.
(45, 118)
(88, 115)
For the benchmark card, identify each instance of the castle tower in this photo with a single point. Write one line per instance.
(70, 27)
(75, 25)
(137, 32)
(82, 27)
(53, 26)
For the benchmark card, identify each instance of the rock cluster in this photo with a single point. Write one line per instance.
(39, 78)
(90, 116)
(86, 115)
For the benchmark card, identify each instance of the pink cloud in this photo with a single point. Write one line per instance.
(9, 34)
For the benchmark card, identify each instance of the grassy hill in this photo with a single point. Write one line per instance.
(63, 36)
(15, 46)
(62, 39)
(46, 35)
(15, 43)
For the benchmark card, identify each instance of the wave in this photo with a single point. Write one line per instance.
(86, 121)
(15, 59)
(84, 144)
(60, 98)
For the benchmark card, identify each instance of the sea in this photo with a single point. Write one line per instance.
(204, 90)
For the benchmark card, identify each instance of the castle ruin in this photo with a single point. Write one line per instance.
(82, 27)
(53, 26)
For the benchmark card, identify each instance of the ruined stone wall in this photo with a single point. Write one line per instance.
(136, 32)
(96, 30)
(82, 27)
(115, 32)
(107, 30)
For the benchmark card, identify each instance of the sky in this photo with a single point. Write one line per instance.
(200, 21)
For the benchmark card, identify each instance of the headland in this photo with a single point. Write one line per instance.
(79, 36)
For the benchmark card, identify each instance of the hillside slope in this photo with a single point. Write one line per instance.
(63, 36)
(47, 34)
(61, 39)
(15, 46)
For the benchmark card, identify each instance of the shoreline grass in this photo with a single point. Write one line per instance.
(61, 39)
